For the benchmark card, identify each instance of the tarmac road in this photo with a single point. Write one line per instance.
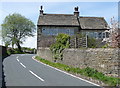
(22, 70)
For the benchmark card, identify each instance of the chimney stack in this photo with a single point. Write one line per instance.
(76, 12)
(41, 11)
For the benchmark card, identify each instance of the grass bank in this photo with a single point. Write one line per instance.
(89, 72)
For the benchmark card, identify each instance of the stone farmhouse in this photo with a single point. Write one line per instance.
(50, 25)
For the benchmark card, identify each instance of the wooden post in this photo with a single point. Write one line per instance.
(75, 41)
(86, 40)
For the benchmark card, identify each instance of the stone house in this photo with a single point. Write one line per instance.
(50, 25)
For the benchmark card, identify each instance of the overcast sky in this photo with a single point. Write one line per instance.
(31, 11)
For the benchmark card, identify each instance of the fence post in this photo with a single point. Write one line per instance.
(86, 40)
(75, 41)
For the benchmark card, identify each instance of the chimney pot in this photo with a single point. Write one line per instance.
(76, 12)
(41, 11)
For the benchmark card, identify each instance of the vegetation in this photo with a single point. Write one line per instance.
(15, 29)
(105, 46)
(24, 49)
(62, 42)
(90, 72)
(91, 42)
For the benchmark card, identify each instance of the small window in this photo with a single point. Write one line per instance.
(95, 35)
(100, 35)
(103, 35)
(107, 34)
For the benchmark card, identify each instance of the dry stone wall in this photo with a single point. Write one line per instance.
(104, 60)
(3, 51)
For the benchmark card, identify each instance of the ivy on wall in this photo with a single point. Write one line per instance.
(62, 42)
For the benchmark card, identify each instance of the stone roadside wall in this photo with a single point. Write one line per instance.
(3, 51)
(104, 60)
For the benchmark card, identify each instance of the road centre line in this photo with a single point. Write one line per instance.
(17, 56)
(18, 60)
(29, 70)
(35, 75)
(23, 65)
(65, 72)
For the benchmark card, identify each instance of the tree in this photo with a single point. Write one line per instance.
(114, 33)
(15, 29)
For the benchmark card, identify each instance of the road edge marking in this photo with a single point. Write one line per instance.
(36, 75)
(65, 72)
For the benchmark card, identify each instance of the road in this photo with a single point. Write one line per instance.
(22, 70)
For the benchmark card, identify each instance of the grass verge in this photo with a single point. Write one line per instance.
(89, 72)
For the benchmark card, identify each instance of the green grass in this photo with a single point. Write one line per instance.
(89, 72)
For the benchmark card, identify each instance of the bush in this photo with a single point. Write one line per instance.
(105, 46)
(16, 51)
(62, 42)
(91, 42)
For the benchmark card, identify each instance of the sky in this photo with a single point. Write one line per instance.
(31, 11)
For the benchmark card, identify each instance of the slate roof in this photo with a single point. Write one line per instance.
(93, 23)
(71, 20)
(58, 20)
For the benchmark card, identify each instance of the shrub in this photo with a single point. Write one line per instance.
(62, 42)
(105, 46)
(91, 42)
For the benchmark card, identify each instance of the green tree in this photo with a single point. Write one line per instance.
(15, 29)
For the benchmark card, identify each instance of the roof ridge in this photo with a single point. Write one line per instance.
(59, 14)
(90, 17)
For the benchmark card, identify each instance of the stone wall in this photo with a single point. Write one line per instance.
(45, 41)
(3, 51)
(104, 60)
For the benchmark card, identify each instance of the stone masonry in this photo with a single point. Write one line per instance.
(104, 60)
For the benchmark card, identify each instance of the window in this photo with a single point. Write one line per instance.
(71, 32)
(103, 34)
(95, 34)
(100, 35)
(107, 34)
(57, 31)
(45, 31)
(91, 34)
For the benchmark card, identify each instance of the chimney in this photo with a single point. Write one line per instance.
(41, 11)
(76, 12)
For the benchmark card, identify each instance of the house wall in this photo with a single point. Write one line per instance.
(104, 60)
(45, 40)
(94, 33)
(56, 30)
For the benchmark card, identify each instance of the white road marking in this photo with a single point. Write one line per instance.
(23, 65)
(17, 56)
(18, 60)
(36, 75)
(65, 72)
